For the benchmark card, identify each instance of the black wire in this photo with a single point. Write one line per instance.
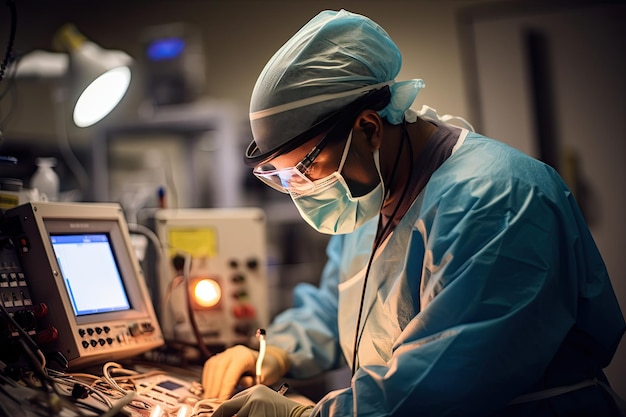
(20, 330)
(9, 50)
(4, 411)
(29, 347)
(192, 316)
(8, 395)
(379, 240)
(28, 344)
(10, 92)
(11, 75)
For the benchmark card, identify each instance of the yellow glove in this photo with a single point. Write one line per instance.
(237, 365)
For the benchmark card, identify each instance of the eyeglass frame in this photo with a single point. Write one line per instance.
(302, 167)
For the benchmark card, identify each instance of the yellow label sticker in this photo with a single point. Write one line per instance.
(198, 242)
(8, 201)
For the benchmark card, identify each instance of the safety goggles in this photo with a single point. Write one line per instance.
(294, 179)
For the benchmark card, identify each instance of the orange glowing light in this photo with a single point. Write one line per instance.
(207, 293)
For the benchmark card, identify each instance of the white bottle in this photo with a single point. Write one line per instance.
(45, 179)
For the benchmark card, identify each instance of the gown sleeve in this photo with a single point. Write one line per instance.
(308, 330)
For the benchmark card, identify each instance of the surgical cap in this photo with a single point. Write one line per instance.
(330, 62)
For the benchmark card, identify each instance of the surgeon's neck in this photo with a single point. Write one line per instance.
(399, 200)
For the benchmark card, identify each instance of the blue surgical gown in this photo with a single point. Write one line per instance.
(490, 287)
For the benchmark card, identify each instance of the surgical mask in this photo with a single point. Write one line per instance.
(330, 207)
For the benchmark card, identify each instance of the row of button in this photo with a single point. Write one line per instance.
(14, 300)
(90, 331)
(134, 330)
(14, 279)
(95, 343)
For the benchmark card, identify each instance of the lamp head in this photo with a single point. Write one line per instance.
(98, 78)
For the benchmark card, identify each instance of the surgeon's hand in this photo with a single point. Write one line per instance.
(260, 401)
(224, 371)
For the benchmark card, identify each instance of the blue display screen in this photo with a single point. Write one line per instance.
(167, 48)
(90, 273)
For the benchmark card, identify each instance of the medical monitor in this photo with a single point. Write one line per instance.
(78, 260)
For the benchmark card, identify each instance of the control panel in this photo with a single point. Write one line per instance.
(18, 305)
(109, 336)
(215, 277)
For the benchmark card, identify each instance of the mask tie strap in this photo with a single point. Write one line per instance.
(344, 155)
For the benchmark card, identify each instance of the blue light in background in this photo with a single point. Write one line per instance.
(167, 48)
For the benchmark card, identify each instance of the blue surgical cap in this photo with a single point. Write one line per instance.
(330, 62)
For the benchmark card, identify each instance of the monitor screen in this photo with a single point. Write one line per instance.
(97, 275)
(92, 289)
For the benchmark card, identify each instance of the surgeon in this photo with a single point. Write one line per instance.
(461, 277)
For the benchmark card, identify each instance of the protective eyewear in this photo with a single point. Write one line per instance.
(294, 178)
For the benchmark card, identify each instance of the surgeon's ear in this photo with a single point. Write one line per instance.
(370, 124)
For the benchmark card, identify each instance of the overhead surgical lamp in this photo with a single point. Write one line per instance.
(96, 79)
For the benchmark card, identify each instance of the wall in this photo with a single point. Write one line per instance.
(582, 104)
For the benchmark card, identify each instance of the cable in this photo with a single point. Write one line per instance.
(10, 92)
(113, 411)
(4, 380)
(25, 336)
(192, 316)
(11, 74)
(5, 63)
(159, 261)
(176, 281)
(109, 379)
(379, 240)
(71, 381)
(9, 50)
(28, 345)
(138, 228)
(4, 411)
(63, 141)
(170, 186)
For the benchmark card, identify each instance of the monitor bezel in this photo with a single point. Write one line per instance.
(129, 273)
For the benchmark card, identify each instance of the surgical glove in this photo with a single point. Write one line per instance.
(260, 401)
(224, 371)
